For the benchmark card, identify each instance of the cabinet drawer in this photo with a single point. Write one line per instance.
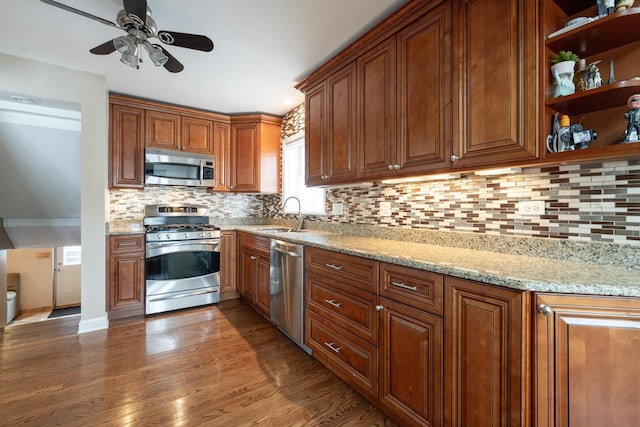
(256, 242)
(417, 288)
(126, 244)
(356, 271)
(351, 308)
(349, 357)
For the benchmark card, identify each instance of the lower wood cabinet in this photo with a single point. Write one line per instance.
(228, 265)
(411, 364)
(586, 361)
(254, 271)
(486, 351)
(125, 275)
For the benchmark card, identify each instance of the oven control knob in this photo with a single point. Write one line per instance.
(186, 235)
(168, 236)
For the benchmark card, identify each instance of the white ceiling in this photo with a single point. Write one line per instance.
(262, 47)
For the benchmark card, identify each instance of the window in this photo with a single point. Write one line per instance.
(311, 199)
(71, 255)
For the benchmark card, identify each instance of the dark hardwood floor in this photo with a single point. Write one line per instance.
(221, 365)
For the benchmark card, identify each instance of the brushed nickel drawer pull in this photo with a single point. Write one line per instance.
(330, 345)
(335, 267)
(333, 303)
(402, 285)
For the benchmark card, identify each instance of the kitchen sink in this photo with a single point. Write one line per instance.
(281, 230)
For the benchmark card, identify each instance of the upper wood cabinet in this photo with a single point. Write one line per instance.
(222, 156)
(495, 82)
(254, 157)
(586, 370)
(171, 131)
(331, 125)
(614, 37)
(126, 145)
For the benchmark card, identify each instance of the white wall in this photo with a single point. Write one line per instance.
(38, 79)
(36, 276)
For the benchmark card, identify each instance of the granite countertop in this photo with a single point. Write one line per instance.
(513, 271)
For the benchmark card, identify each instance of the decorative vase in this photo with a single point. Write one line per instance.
(563, 75)
(624, 4)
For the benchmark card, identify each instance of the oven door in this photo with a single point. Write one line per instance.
(182, 274)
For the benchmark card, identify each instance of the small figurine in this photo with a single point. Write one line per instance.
(564, 84)
(594, 79)
(633, 117)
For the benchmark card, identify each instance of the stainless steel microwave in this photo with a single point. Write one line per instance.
(163, 167)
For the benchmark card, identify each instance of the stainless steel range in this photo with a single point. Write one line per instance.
(182, 266)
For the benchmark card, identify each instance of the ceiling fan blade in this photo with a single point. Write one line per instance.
(104, 49)
(79, 12)
(137, 8)
(191, 41)
(172, 65)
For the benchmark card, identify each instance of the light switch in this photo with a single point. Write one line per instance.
(385, 208)
(337, 209)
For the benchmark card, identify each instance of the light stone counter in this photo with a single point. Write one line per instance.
(513, 271)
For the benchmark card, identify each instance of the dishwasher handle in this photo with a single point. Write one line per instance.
(282, 251)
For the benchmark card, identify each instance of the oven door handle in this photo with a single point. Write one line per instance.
(157, 249)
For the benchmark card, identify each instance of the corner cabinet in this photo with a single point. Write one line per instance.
(495, 83)
(254, 156)
(125, 276)
(586, 370)
(613, 37)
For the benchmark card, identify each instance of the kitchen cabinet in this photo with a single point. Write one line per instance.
(228, 265)
(254, 271)
(330, 113)
(342, 322)
(601, 109)
(222, 156)
(486, 353)
(586, 352)
(126, 145)
(411, 363)
(495, 79)
(254, 158)
(125, 275)
(405, 100)
(171, 131)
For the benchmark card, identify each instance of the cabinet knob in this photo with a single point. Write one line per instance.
(390, 167)
(396, 166)
(454, 157)
(379, 307)
(252, 257)
(545, 309)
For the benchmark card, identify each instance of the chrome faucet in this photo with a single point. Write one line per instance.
(300, 216)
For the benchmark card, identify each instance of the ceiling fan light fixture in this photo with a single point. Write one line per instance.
(131, 58)
(126, 45)
(156, 55)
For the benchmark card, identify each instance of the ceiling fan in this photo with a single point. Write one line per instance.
(135, 20)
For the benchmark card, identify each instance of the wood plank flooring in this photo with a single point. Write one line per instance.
(221, 365)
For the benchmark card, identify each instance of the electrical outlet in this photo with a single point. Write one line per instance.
(385, 208)
(531, 207)
(336, 209)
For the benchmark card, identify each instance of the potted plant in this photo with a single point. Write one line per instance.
(564, 62)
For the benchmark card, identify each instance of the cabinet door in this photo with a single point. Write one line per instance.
(314, 150)
(587, 352)
(377, 111)
(486, 344)
(126, 146)
(228, 267)
(222, 156)
(424, 93)
(163, 130)
(340, 154)
(495, 117)
(245, 274)
(126, 282)
(197, 135)
(261, 276)
(245, 171)
(411, 364)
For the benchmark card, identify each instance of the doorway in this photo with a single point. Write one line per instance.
(66, 277)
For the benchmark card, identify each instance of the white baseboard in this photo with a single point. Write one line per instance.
(90, 325)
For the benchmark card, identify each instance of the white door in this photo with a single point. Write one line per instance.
(67, 276)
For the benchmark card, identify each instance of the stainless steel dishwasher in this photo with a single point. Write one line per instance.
(287, 289)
